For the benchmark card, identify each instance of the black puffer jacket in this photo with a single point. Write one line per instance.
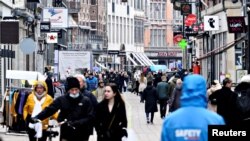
(78, 112)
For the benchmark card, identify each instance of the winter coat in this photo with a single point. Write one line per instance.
(243, 89)
(150, 97)
(225, 99)
(94, 102)
(78, 112)
(162, 90)
(30, 105)
(92, 84)
(191, 120)
(104, 120)
(50, 86)
(171, 86)
(175, 99)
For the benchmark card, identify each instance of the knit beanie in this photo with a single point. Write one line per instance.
(72, 82)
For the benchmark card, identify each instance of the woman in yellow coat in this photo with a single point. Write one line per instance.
(36, 102)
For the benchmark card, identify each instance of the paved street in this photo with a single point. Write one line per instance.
(138, 129)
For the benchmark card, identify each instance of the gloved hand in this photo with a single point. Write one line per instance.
(34, 120)
(124, 133)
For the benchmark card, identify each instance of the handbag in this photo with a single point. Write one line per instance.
(108, 132)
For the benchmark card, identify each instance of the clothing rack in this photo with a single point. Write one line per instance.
(16, 87)
(8, 106)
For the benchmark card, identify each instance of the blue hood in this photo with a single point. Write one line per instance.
(194, 91)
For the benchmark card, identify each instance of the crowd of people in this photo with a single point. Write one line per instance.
(93, 101)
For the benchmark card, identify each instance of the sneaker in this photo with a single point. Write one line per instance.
(151, 122)
(148, 121)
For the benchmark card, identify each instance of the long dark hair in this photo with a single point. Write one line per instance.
(118, 97)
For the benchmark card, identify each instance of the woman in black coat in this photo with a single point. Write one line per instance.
(111, 119)
(150, 96)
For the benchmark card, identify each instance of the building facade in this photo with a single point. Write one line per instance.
(220, 52)
(158, 40)
(120, 31)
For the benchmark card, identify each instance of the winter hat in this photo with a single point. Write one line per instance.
(72, 82)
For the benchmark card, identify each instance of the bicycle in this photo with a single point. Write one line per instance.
(52, 134)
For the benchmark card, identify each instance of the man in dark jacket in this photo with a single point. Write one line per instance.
(75, 108)
(175, 99)
(88, 94)
(162, 92)
(225, 99)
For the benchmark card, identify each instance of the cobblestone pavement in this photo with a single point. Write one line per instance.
(138, 129)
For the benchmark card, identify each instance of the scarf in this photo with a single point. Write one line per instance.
(37, 109)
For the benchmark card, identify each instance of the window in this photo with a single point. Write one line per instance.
(151, 11)
(117, 30)
(93, 2)
(127, 9)
(121, 30)
(157, 10)
(163, 11)
(113, 29)
(132, 31)
(113, 7)
(125, 31)
(158, 37)
(128, 30)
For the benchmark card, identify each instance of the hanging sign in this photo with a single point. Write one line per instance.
(236, 24)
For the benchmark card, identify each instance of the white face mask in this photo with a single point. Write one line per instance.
(74, 95)
(39, 96)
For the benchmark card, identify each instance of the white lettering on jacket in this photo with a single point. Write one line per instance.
(188, 134)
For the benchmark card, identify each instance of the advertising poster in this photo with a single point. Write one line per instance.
(71, 61)
(58, 17)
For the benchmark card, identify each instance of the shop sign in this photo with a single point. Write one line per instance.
(236, 24)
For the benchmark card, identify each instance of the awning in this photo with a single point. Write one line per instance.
(222, 49)
(149, 62)
(132, 60)
(138, 59)
(143, 59)
(25, 75)
(99, 64)
(62, 45)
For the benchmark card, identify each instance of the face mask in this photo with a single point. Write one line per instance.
(39, 96)
(74, 95)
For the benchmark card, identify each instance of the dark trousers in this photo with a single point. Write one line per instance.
(141, 97)
(152, 116)
(163, 107)
(32, 133)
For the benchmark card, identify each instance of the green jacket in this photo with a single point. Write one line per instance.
(162, 90)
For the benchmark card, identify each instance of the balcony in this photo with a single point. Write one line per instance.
(73, 6)
(77, 46)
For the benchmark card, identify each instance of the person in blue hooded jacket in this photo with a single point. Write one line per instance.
(191, 120)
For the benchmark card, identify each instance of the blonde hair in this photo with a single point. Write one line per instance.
(142, 77)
